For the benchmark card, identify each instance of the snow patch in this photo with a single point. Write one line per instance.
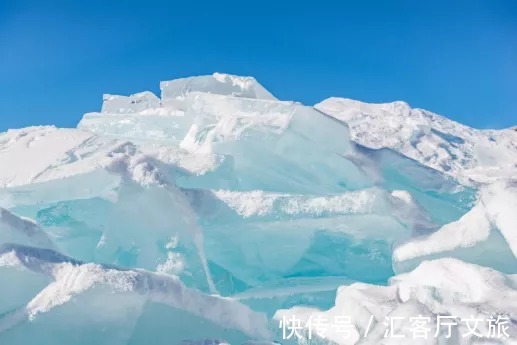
(442, 144)
(441, 287)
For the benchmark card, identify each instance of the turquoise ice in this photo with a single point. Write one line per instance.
(201, 213)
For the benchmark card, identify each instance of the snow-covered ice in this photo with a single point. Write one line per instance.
(201, 213)
(441, 292)
(484, 235)
(445, 145)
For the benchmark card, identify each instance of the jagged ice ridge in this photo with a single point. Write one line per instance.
(216, 209)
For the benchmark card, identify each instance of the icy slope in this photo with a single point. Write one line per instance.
(487, 234)
(154, 206)
(19, 230)
(116, 297)
(433, 140)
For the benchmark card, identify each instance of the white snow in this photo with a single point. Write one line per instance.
(73, 278)
(174, 265)
(444, 287)
(49, 148)
(500, 201)
(115, 104)
(261, 203)
(433, 140)
(42, 154)
(495, 211)
(403, 195)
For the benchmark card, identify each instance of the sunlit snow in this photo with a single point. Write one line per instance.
(208, 214)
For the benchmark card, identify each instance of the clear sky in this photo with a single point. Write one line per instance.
(456, 58)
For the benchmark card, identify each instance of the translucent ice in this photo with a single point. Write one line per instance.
(114, 104)
(488, 228)
(218, 83)
(219, 188)
(104, 304)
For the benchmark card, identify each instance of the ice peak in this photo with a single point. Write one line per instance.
(173, 93)
(217, 83)
(244, 82)
(116, 104)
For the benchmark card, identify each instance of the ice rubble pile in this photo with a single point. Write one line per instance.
(132, 226)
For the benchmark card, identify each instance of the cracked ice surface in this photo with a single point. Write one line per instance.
(198, 215)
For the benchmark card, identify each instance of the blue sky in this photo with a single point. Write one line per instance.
(456, 58)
